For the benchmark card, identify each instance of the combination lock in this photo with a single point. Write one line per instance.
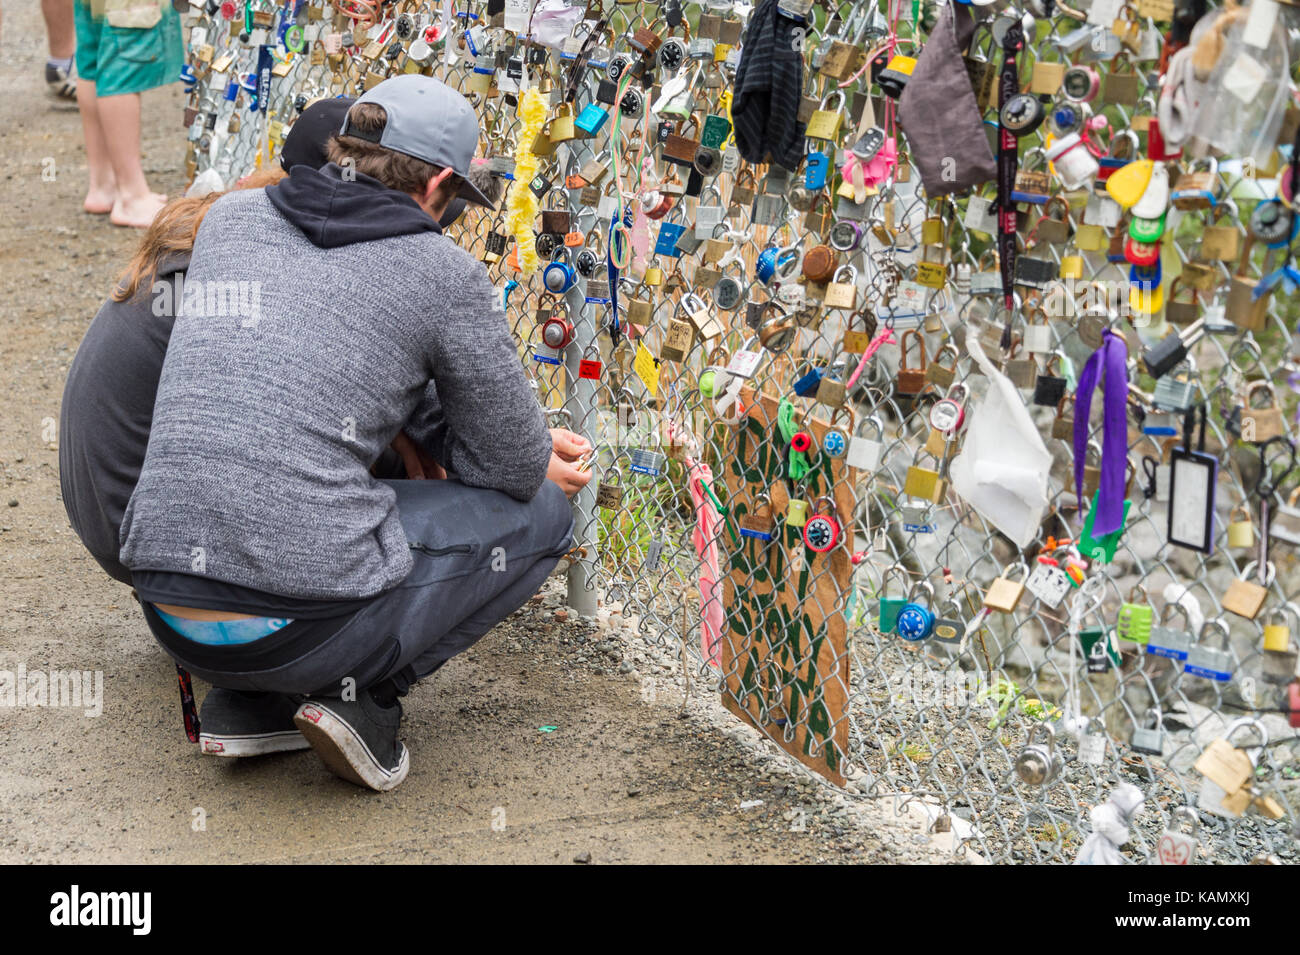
(405, 26)
(586, 262)
(1272, 223)
(546, 244)
(1023, 114)
(672, 54)
(727, 294)
(632, 105)
(616, 65)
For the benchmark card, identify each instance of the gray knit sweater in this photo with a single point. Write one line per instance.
(267, 420)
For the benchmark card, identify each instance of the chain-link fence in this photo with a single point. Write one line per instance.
(779, 577)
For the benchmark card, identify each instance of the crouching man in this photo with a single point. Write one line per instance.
(267, 559)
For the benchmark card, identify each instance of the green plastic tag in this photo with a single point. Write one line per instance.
(715, 132)
(1101, 549)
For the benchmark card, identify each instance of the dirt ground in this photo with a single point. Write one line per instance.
(620, 779)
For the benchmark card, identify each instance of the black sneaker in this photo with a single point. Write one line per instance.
(357, 740)
(248, 724)
(62, 83)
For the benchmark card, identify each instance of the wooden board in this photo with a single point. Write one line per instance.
(785, 661)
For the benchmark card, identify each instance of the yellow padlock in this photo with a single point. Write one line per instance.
(1277, 632)
(1241, 532)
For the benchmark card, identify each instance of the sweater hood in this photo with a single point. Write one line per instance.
(333, 211)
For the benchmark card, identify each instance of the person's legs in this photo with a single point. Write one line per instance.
(102, 189)
(59, 29)
(119, 118)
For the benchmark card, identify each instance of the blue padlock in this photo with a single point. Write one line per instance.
(807, 386)
(769, 260)
(559, 276)
(666, 243)
(592, 119)
(816, 167)
(916, 620)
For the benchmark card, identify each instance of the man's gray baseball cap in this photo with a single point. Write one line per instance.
(429, 120)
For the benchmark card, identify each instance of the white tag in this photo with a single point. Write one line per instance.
(1244, 78)
(517, 14)
(744, 363)
(1259, 23)
(198, 37)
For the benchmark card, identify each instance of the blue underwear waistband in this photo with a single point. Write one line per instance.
(216, 633)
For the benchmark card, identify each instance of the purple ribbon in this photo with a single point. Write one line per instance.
(1112, 358)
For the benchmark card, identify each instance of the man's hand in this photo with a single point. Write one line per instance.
(569, 447)
(418, 463)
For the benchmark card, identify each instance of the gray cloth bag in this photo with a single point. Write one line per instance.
(939, 113)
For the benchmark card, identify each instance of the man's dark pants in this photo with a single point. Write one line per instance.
(478, 556)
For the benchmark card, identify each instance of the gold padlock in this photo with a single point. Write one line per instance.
(1241, 532)
(1262, 423)
(1004, 594)
(1245, 597)
(920, 482)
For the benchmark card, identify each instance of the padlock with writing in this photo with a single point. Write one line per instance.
(1229, 770)
(609, 493)
(1169, 641)
(1176, 847)
(1135, 617)
(1208, 662)
(1048, 582)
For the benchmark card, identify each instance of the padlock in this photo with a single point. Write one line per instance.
(1196, 188)
(865, 453)
(1172, 643)
(911, 378)
(1211, 663)
(1149, 739)
(590, 367)
(1176, 847)
(1021, 371)
(1263, 423)
(1054, 225)
(1101, 654)
(796, 512)
(835, 442)
(1063, 424)
(609, 493)
(647, 461)
(1038, 763)
(1092, 743)
(1241, 532)
(831, 391)
(679, 338)
(1285, 523)
(921, 482)
(940, 374)
(1135, 616)
(1245, 597)
(842, 291)
(1037, 336)
(915, 513)
(915, 619)
(1278, 662)
(821, 531)
(1220, 243)
(758, 524)
(820, 263)
(1050, 388)
(890, 607)
(1004, 593)
(1228, 771)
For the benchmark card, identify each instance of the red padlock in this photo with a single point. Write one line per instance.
(558, 332)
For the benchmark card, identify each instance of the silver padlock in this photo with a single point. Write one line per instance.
(1038, 764)
(1171, 642)
(1211, 663)
(865, 453)
(1175, 846)
(1149, 739)
(1092, 744)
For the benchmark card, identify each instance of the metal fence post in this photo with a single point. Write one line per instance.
(580, 400)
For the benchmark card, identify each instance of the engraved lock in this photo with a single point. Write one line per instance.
(1135, 617)
(890, 607)
(1004, 593)
(1038, 763)
(1172, 643)
(759, 523)
(827, 120)
(821, 531)
(1207, 662)
(589, 366)
(609, 494)
(679, 338)
(915, 619)
(1175, 846)
(1148, 737)
(951, 627)
(1048, 582)
(865, 453)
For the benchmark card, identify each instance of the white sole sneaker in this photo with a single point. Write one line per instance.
(261, 744)
(345, 753)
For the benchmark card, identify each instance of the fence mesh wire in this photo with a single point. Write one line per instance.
(943, 722)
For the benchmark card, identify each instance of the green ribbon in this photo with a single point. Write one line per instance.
(797, 462)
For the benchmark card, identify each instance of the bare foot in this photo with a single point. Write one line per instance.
(100, 201)
(138, 213)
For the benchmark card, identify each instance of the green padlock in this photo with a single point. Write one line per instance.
(890, 606)
(1135, 618)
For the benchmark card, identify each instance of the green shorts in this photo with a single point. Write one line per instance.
(125, 60)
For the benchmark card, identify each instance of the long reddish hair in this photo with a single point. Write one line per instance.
(173, 231)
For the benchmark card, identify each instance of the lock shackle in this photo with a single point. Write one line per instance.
(1268, 576)
(1255, 724)
(1039, 728)
(922, 585)
(1212, 625)
(1146, 597)
(1176, 607)
(1184, 814)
